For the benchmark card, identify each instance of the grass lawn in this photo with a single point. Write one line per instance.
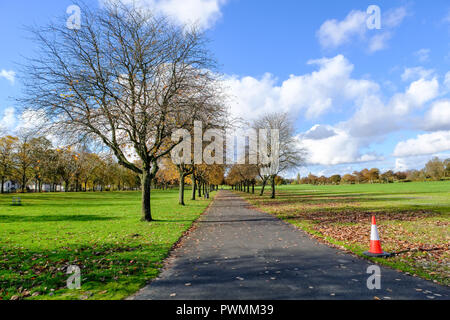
(413, 220)
(99, 232)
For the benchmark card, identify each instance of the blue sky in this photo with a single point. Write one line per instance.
(360, 98)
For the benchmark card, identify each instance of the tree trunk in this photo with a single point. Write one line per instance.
(3, 182)
(181, 191)
(273, 188)
(23, 183)
(194, 188)
(199, 189)
(263, 187)
(253, 188)
(146, 190)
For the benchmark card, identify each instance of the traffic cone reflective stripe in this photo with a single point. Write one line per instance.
(375, 243)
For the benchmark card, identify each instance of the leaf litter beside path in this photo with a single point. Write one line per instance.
(419, 238)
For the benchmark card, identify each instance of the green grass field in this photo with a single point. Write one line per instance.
(413, 220)
(99, 232)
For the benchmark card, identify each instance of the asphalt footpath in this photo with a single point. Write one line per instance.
(238, 253)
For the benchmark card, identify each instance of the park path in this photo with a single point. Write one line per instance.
(237, 253)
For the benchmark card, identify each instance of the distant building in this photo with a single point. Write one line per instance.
(46, 188)
(10, 186)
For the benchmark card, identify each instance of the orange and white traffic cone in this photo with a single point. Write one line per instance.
(375, 243)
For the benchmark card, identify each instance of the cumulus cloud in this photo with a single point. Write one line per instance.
(325, 91)
(313, 94)
(319, 132)
(416, 73)
(8, 120)
(30, 120)
(438, 117)
(379, 41)
(447, 81)
(203, 13)
(401, 165)
(429, 143)
(339, 148)
(418, 93)
(8, 75)
(394, 17)
(374, 117)
(334, 33)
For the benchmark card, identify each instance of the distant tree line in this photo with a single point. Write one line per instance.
(434, 170)
(33, 164)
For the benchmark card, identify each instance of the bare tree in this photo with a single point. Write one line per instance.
(126, 79)
(212, 114)
(290, 154)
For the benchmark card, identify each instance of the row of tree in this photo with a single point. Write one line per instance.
(126, 81)
(289, 155)
(130, 82)
(32, 163)
(435, 169)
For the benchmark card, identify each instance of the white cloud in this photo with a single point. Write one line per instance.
(418, 93)
(319, 132)
(379, 41)
(393, 18)
(438, 117)
(374, 117)
(334, 33)
(7, 122)
(339, 148)
(314, 93)
(401, 165)
(204, 13)
(423, 55)
(8, 75)
(327, 90)
(447, 81)
(31, 120)
(429, 143)
(411, 162)
(416, 73)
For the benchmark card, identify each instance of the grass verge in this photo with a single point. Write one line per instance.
(99, 232)
(413, 221)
